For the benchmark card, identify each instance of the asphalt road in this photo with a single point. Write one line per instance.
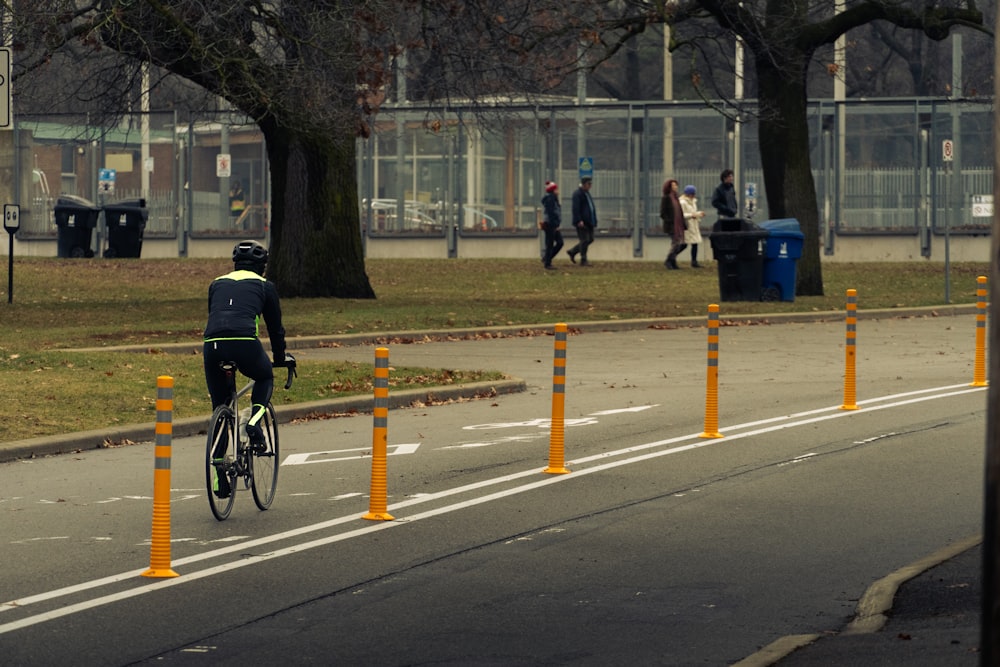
(660, 547)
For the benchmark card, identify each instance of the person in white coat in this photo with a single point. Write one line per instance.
(692, 218)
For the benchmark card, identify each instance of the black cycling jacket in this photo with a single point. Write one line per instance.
(235, 303)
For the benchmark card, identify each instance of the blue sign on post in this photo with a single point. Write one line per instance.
(106, 180)
(586, 167)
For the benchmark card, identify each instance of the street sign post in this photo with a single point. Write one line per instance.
(982, 206)
(106, 181)
(6, 115)
(947, 150)
(11, 223)
(223, 165)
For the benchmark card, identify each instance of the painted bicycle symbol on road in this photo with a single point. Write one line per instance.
(546, 422)
(542, 422)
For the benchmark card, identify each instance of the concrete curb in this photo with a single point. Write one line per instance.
(97, 439)
(435, 335)
(870, 613)
(111, 436)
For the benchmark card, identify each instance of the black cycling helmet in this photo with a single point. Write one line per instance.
(250, 255)
(249, 252)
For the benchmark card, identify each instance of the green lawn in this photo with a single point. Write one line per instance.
(73, 303)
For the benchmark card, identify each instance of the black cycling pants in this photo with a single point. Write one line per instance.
(251, 360)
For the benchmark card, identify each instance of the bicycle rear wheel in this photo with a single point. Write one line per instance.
(265, 464)
(221, 440)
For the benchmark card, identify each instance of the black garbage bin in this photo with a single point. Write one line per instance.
(76, 218)
(126, 222)
(738, 249)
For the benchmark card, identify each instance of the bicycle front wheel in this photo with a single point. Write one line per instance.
(221, 441)
(265, 463)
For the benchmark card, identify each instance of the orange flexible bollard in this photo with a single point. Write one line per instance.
(159, 550)
(378, 497)
(557, 432)
(979, 368)
(712, 379)
(851, 352)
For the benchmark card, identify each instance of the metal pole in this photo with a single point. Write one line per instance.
(10, 269)
(668, 94)
(947, 232)
(989, 644)
(956, 194)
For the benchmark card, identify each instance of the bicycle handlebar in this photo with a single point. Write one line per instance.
(292, 373)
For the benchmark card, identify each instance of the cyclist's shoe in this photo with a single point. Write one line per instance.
(221, 486)
(256, 437)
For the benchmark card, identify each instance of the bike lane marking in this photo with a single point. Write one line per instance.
(332, 455)
(801, 419)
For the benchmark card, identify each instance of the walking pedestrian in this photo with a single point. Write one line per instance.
(692, 222)
(673, 222)
(585, 220)
(552, 218)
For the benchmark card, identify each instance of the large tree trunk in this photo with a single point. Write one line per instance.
(784, 155)
(316, 248)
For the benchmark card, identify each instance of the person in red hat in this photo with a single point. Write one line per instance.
(552, 218)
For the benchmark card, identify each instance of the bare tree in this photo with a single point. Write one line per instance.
(783, 39)
(310, 73)
(885, 60)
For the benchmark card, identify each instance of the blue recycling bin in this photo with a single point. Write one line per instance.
(782, 250)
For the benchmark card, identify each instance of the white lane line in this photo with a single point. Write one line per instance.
(615, 411)
(245, 560)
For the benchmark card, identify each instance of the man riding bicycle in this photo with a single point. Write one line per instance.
(236, 302)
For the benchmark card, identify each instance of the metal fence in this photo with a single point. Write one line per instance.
(880, 167)
(184, 172)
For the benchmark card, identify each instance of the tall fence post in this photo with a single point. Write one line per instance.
(979, 368)
(712, 376)
(378, 497)
(557, 430)
(851, 352)
(159, 550)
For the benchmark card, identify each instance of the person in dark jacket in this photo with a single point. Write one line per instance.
(585, 220)
(236, 301)
(673, 222)
(550, 224)
(724, 197)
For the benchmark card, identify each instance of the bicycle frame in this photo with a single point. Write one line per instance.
(256, 464)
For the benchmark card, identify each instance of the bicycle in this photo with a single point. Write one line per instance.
(230, 453)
